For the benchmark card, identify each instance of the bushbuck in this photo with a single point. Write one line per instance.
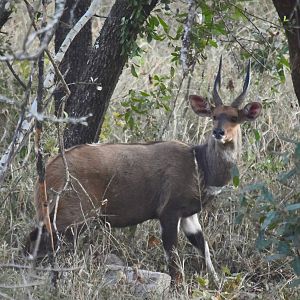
(127, 184)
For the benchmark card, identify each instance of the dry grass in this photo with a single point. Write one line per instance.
(247, 275)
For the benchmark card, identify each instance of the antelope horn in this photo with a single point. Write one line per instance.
(238, 101)
(217, 85)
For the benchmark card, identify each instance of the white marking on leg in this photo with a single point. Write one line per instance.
(210, 266)
(191, 225)
(178, 225)
(167, 257)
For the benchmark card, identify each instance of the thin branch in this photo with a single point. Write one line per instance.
(70, 37)
(254, 16)
(16, 75)
(55, 120)
(29, 267)
(186, 96)
(167, 123)
(48, 32)
(5, 296)
(43, 203)
(26, 35)
(30, 284)
(101, 17)
(186, 40)
(52, 60)
(32, 257)
(257, 29)
(6, 100)
(23, 129)
(237, 41)
(32, 112)
(25, 126)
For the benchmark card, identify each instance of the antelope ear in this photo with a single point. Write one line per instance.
(250, 112)
(200, 106)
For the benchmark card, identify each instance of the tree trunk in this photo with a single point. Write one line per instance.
(289, 13)
(102, 71)
(77, 54)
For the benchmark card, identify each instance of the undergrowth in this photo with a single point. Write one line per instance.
(235, 225)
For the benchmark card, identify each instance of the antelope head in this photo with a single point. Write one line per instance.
(226, 119)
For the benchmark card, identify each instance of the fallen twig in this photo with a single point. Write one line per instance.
(28, 267)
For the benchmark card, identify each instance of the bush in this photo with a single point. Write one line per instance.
(277, 216)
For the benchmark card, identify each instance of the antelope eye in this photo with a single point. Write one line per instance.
(234, 119)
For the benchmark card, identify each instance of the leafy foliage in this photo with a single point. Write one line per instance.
(214, 21)
(278, 218)
(140, 106)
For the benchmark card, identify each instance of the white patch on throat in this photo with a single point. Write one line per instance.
(214, 190)
(221, 141)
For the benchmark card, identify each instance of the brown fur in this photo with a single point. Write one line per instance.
(133, 182)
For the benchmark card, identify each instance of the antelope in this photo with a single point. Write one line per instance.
(169, 181)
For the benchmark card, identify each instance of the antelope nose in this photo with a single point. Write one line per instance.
(218, 133)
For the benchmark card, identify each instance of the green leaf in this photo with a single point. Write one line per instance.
(267, 195)
(296, 265)
(133, 71)
(261, 242)
(213, 43)
(271, 215)
(254, 187)
(149, 38)
(207, 13)
(236, 181)
(284, 62)
(163, 24)
(130, 122)
(219, 28)
(281, 75)
(153, 22)
(256, 135)
(172, 72)
(235, 176)
(283, 248)
(284, 176)
(297, 150)
(226, 270)
(293, 206)
(275, 257)
(294, 283)
(145, 94)
(238, 14)
(125, 103)
(203, 282)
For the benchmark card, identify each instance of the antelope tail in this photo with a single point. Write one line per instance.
(42, 208)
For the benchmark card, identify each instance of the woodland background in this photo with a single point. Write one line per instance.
(126, 77)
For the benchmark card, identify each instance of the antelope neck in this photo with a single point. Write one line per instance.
(215, 160)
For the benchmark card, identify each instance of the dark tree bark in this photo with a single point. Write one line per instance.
(5, 12)
(77, 54)
(289, 10)
(105, 64)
